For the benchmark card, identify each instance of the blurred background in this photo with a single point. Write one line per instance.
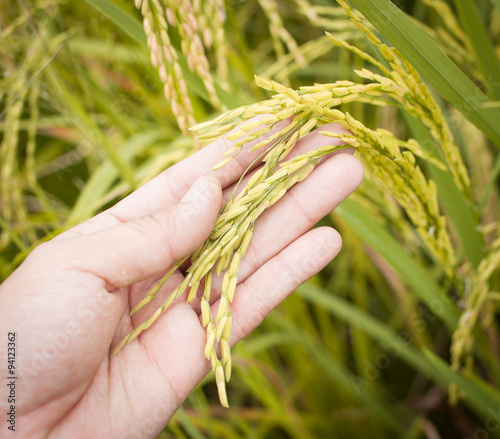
(363, 349)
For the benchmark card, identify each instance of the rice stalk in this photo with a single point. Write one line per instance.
(280, 37)
(403, 83)
(451, 23)
(13, 206)
(227, 245)
(462, 346)
(304, 109)
(212, 22)
(287, 65)
(164, 57)
(185, 17)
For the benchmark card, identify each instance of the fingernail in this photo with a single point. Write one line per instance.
(196, 190)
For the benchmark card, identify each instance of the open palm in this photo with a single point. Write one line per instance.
(69, 302)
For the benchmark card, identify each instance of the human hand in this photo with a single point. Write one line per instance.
(69, 302)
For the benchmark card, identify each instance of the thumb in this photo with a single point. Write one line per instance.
(136, 250)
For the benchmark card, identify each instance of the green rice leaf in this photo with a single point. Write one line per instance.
(131, 26)
(496, 3)
(483, 48)
(377, 330)
(431, 62)
(411, 272)
(335, 371)
(103, 177)
(12, 235)
(461, 213)
(489, 186)
(479, 395)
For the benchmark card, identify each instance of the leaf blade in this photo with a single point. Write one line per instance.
(431, 62)
(422, 283)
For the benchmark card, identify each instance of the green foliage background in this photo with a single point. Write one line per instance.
(364, 347)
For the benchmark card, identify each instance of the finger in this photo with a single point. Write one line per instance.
(173, 183)
(300, 209)
(169, 186)
(136, 250)
(170, 354)
(279, 277)
(180, 354)
(308, 143)
(312, 141)
(255, 298)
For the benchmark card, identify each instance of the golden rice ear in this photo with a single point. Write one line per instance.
(206, 313)
(221, 385)
(462, 347)
(221, 164)
(279, 169)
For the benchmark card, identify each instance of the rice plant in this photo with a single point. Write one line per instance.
(400, 331)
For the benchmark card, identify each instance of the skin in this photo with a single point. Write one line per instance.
(69, 301)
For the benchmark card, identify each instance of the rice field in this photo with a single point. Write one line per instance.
(398, 336)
